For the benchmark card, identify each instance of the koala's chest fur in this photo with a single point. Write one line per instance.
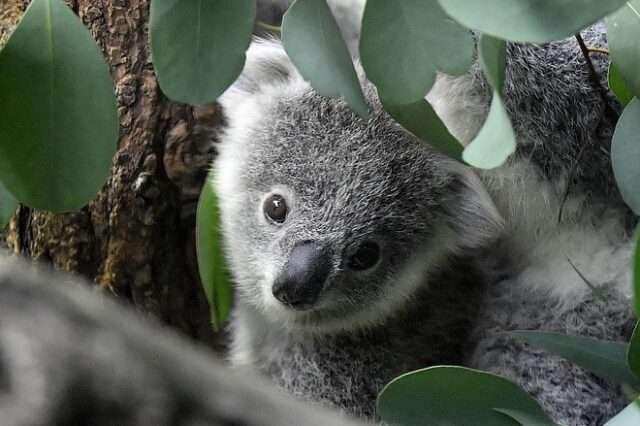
(347, 371)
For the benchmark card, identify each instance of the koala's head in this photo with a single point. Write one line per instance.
(332, 222)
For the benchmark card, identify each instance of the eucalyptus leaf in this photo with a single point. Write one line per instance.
(211, 262)
(493, 60)
(523, 419)
(421, 120)
(198, 46)
(496, 140)
(636, 273)
(455, 396)
(603, 358)
(625, 154)
(8, 205)
(630, 416)
(536, 21)
(623, 33)
(633, 355)
(618, 86)
(313, 41)
(59, 122)
(405, 42)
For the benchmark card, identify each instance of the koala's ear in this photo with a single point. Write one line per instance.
(267, 64)
(471, 214)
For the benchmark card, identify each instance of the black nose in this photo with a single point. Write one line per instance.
(303, 277)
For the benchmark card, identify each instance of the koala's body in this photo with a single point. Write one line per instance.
(359, 252)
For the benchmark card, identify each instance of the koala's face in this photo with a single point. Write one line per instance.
(330, 221)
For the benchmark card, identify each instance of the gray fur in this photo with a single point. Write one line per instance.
(572, 395)
(349, 180)
(348, 371)
(69, 356)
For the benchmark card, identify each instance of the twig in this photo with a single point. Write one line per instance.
(598, 50)
(269, 27)
(592, 70)
(605, 105)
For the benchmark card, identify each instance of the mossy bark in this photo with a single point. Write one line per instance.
(136, 238)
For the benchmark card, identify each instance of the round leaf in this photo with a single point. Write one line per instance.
(618, 86)
(421, 120)
(59, 122)
(198, 46)
(455, 396)
(493, 59)
(405, 42)
(8, 205)
(213, 272)
(636, 273)
(495, 142)
(623, 33)
(313, 41)
(625, 154)
(603, 358)
(633, 355)
(537, 21)
(630, 416)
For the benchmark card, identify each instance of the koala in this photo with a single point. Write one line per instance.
(358, 252)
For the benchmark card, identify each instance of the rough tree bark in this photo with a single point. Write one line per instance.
(136, 238)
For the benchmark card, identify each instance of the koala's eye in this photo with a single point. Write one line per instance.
(366, 256)
(275, 208)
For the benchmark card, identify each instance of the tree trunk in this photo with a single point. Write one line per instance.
(136, 238)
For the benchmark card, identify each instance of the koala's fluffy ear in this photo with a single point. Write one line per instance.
(267, 64)
(471, 214)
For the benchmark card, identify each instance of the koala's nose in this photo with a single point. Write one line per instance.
(302, 279)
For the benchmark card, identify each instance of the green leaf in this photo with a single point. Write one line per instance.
(630, 416)
(603, 358)
(636, 273)
(405, 42)
(312, 39)
(59, 122)
(618, 86)
(493, 59)
(8, 205)
(455, 396)
(421, 120)
(211, 263)
(198, 46)
(625, 154)
(524, 419)
(496, 141)
(633, 354)
(537, 21)
(623, 33)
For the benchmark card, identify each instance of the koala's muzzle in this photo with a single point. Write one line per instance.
(302, 279)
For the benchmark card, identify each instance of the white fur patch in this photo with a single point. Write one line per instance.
(459, 104)
(591, 236)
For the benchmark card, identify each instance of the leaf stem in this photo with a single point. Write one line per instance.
(269, 27)
(592, 70)
(598, 50)
(602, 92)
